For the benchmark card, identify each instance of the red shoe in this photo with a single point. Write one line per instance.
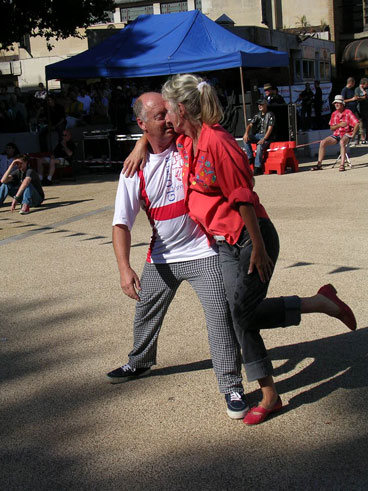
(258, 414)
(24, 210)
(346, 314)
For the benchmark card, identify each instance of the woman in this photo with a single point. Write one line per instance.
(23, 184)
(6, 158)
(219, 194)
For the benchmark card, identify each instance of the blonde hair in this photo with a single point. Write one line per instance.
(197, 96)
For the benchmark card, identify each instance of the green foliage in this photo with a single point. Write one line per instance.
(49, 18)
(302, 21)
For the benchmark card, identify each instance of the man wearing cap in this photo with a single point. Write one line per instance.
(345, 126)
(259, 130)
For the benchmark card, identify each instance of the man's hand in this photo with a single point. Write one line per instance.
(343, 124)
(262, 261)
(13, 205)
(246, 138)
(130, 283)
(261, 141)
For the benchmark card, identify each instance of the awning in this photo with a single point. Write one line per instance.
(356, 53)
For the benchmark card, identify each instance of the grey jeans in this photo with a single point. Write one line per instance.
(246, 294)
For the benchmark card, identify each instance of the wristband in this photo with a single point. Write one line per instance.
(17, 199)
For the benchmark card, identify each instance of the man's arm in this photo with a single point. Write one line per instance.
(129, 281)
(355, 130)
(267, 135)
(246, 134)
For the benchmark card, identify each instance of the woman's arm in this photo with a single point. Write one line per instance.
(259, 257)
(7, 177)
(136, 158)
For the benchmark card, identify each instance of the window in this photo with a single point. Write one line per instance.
(169, 8)
(198, 4)
(133, 12)
(297, 70)
(324, 70)
(308, 69)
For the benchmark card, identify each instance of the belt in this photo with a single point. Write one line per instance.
(220, 239)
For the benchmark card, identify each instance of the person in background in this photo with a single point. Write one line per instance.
(317, 105)
(272, 95)
(86, 100)
(306, 97)
(6, 158)
(260, 131)
(61, 156)
(345, 126)
(361, 93)
(41, 92)
(350, 98)
(23, 184)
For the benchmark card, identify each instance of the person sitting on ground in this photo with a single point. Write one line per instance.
(23, 184)
(261, 128)
(345, 126)
(61, 156)
(10, 151)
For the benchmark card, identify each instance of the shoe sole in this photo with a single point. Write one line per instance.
(121, 380)
(237, 414)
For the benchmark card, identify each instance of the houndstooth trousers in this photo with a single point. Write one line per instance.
(159, 284)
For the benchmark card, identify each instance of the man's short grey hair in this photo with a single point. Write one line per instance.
(139, 110)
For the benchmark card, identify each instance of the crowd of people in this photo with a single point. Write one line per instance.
(74, 104)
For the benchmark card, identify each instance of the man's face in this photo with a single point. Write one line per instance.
(350, 83)
(262, 107)
(155, 123)
(268, 92)
(339, 106)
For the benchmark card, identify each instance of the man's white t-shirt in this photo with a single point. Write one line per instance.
(158, 189)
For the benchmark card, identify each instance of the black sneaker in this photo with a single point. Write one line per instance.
(258, 171)
(126, 372)
(237, 407)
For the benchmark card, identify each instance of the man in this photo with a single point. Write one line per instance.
(260, 130)
(61, 156)
(362, 99)
(86, 100)
(272, 96)
(23, 184)
(345, 126)
(317, 104)
(350, 99)
(179, 251)
(306, 98)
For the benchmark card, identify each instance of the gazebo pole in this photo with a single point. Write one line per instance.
(243, 96)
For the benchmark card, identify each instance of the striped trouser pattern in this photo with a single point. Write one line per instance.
(159, 284)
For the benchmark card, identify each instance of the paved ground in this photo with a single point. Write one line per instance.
(65, 323)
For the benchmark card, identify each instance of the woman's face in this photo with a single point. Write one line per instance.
(22, 165)
(9, 151)
(173, 117)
